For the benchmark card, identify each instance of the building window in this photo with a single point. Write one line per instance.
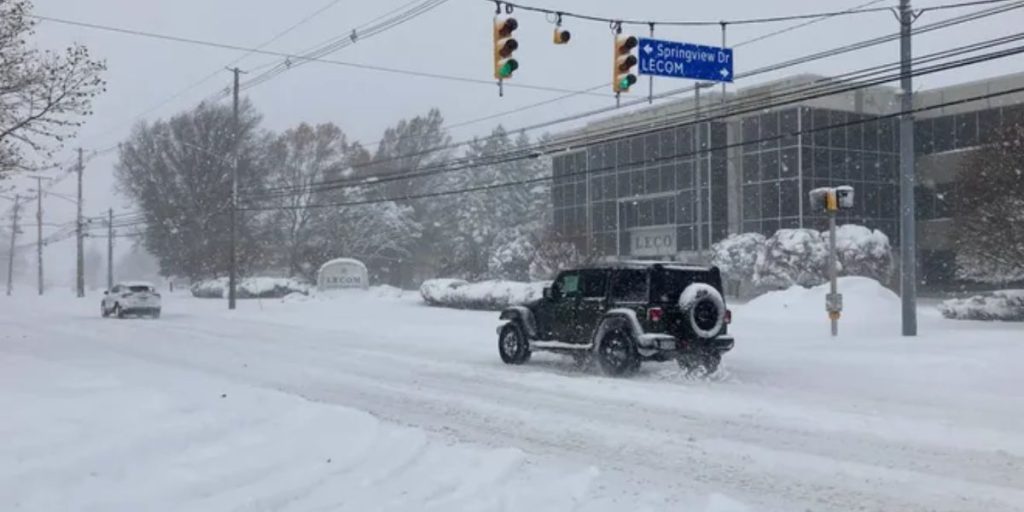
(790, 163)
(944, 134)
(967, 130)
(770, 199)
(789, 198)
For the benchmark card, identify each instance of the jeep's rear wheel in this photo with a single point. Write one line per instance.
(617, 354)
(512, 345)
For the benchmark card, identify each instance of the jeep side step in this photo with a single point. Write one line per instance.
(558, 345)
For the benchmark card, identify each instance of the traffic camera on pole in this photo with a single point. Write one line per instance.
(504, 45)
(624, 60)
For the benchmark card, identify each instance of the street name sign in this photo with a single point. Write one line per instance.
(674, 59)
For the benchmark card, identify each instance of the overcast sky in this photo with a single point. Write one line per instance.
(452, 39)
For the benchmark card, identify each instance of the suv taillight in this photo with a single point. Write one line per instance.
(655, 314)
(728, 316)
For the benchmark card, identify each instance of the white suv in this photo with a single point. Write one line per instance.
(131, 298)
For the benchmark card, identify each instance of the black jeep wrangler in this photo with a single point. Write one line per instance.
(622, 314)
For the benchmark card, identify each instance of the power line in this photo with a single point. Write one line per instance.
(511, 6)
(648, 127)
(494, 186)
(821, 88)
(369, 67)
(218, 71)
(766, 69)
(362, 32)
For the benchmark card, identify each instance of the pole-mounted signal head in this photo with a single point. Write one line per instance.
(624, 60)
(504, 45)
(561, 36)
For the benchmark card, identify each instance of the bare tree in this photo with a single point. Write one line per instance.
(43, 95)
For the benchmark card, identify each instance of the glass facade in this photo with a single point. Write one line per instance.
(672, 180)
(811, 148)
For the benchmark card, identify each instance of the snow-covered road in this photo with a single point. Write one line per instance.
(795, 421)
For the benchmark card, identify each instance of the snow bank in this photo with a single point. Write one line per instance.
(1004, 305)
(250, 288)
(866, 303)
(111, 436)
(486, 295)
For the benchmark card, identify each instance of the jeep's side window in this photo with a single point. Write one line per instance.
(568, 284)
(594, 283)
(630, 286)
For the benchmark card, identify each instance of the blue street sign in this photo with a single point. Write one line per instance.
(684, 60)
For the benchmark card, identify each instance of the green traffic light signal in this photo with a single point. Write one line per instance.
(626, 81)
(507, 68)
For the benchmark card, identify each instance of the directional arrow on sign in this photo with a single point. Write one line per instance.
(648, 49)
(724, 72)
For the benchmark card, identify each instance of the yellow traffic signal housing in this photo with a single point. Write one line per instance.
(504, 45)
(561, 36)
(622, 65)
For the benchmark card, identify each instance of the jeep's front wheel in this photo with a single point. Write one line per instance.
(512, 345)
(617, 354)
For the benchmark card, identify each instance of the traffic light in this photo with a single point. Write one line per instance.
(504, 45)
(561, 36)
(622, 77)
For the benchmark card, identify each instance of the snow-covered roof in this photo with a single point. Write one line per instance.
(348, 261)
(136, 283)
(648, 263)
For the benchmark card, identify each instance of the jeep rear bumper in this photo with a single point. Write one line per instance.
(650, 344)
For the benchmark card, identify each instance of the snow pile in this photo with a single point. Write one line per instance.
(866, 303)
(250, 288)
(1004, 305)
(486, 295)
(109, 436)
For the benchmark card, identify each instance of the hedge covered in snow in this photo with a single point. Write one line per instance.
(250, 288)
(485, 295)
(1005, 305)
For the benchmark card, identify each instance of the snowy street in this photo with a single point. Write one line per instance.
(266, 408)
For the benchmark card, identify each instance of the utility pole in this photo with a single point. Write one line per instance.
(79, 235)
(10, 255)
(110, 248)
(233, 265)
(908, 235)
(39, 231)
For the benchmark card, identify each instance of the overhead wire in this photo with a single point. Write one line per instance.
(727, 146)
(832, 87)
(763, 70)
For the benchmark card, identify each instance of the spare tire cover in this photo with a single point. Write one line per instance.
(704, 308)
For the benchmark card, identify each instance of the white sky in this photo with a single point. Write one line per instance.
(452, 39)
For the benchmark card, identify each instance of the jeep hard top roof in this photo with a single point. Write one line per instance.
(642, 264)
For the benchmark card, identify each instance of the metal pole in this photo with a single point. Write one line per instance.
(908, 241)
(233, 270)
(832, 272)
(110, 248)
(723, 83)
(39, 231)
(650, 78)
(10, 255)
(79, 235)
(697, 171)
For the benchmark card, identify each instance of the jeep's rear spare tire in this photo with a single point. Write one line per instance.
(704, 309)
(512, 344)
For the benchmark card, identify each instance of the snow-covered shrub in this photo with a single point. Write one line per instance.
(862, 252)
(737, 255)
(250, 288)
(485, 295)
(512, 255)
(1005, 305)
(792, 257)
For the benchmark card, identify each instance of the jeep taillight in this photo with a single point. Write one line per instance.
(655, 314)
(728, 316)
